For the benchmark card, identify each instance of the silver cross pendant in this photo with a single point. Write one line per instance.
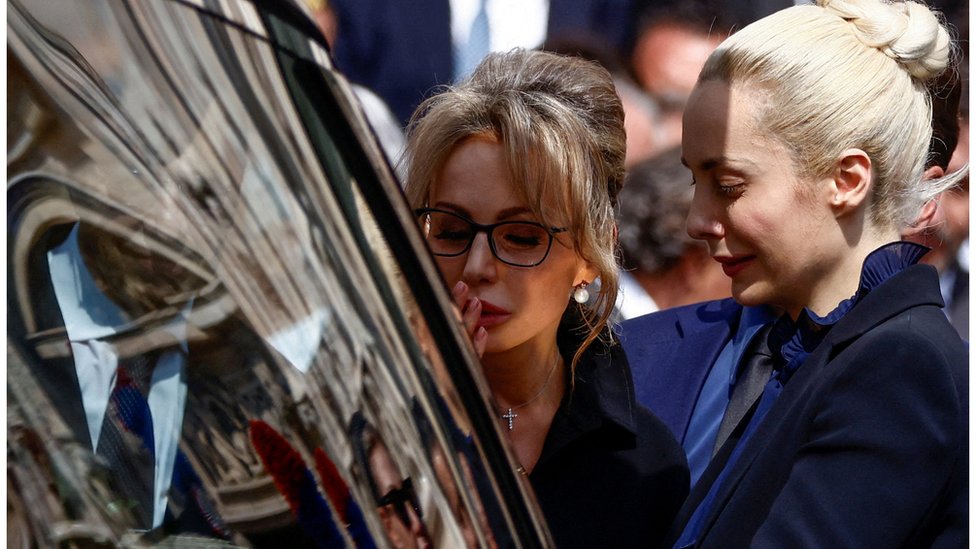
(510, 416)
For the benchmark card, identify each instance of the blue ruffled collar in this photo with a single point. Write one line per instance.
(792, 341)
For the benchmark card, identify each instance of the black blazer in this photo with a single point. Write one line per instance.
(867, 446)
(610, 473)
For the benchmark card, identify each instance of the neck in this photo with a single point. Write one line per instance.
(517, 375)
(841, 282)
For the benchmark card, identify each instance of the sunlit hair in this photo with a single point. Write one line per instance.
(847, 74)
(562, 126)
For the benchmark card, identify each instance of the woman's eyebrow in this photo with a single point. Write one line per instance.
(503, 214)
(712, 163)
(451, 206)
(512, 212)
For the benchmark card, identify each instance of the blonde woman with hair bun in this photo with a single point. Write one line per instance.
(807, 137)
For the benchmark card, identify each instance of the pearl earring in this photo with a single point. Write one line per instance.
(580, 295)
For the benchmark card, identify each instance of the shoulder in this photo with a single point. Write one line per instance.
(912, 363)
(901, 322)
(680, 320)
(917, 346)
(919, 335)
(656, 441)
(647, 335)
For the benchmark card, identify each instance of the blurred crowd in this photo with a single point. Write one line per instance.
(397, 53)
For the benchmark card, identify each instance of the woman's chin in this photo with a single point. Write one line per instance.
(749, 295)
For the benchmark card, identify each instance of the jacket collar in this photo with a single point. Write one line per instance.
(917, 285)
(601, 395)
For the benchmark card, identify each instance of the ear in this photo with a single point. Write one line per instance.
(933, 172)
(851, 183)
(927, 217)
(586, 273)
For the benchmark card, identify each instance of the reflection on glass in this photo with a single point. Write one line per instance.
(184, 267)
(393, 494)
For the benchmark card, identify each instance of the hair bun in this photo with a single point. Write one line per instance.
(908, 32)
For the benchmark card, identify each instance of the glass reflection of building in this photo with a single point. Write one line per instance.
(203, 214)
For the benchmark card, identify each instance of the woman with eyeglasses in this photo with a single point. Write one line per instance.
(514, 174)
(807, 136)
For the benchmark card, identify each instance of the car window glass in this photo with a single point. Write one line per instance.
(176, 238)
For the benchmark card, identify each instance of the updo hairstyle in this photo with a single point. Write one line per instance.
(848, 74)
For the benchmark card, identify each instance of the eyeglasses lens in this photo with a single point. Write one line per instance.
(448, 234)
(516, 243)
(521, 243)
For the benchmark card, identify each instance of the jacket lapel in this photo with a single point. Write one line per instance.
(671, 353)
(915, 286)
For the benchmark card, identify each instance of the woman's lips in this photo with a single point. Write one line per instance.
(734, 265)
(492, 315)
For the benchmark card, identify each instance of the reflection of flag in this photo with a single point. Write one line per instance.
(335, 488)
(126, 440)
(296, 483)
(338, 493)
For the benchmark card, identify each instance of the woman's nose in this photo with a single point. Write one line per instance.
(480, 264)
(702, 222)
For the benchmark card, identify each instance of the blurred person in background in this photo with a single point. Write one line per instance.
(385, 125)
(947, 232)
(404, 51)
(662, 266)
(643, 120)
(673, 40)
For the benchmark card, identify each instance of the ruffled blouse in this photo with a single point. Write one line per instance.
(792, 341)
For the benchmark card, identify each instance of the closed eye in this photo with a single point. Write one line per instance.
(732, 190)
(453, 235)
(527, 241)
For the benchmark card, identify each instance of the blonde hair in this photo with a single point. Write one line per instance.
(562, 127)
(848, 74)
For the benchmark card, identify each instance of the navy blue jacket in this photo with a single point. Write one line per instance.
(867, 446)
(671, 352)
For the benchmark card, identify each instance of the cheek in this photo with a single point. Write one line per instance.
(451, 268)
(754, 225)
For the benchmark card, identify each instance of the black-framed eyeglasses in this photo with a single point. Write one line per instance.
(516, 243)
(399, 498)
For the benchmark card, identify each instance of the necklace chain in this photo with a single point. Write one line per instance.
(510, 415)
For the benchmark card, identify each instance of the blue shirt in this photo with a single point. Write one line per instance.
(699, 439)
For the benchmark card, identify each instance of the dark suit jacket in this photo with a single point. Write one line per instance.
(55, 372)
(403, 50)
(958, 309)
(610, 473)
(671, 352)
(867, 444)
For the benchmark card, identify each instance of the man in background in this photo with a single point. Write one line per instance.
(662, 266)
